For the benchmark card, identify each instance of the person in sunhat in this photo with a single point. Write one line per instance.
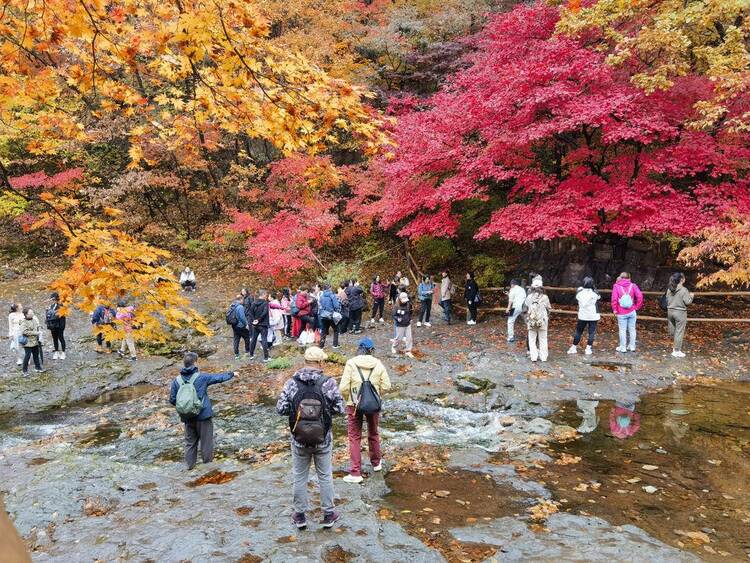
(363, 367)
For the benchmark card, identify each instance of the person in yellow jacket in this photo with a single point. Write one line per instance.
(363, 366)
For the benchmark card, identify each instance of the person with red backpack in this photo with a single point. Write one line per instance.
(626, 300)
(311, 399)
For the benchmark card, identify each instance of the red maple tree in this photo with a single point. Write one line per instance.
(559, 144)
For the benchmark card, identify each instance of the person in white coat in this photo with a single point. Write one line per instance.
(14, 331)
(516, 298)
(537, 308)
(588, 316)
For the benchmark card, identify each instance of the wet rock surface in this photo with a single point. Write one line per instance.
(90, 459)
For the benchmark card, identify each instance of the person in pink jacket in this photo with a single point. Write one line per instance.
(626, 300)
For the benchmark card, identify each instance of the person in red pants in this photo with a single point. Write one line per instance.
(364, 366)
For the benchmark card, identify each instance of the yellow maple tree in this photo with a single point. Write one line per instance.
(667, 39)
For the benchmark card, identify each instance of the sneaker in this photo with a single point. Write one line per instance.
(511, 340)
(62, 355)
(378, 467)
(266, 360)
(427, 324)
(251, 358)
(419, 323)
(121, 353)
(393, 351)
(381, 321)
(572, 350)
(133, 358)
(299, 520)
(619, 349)
(329, 519)
(355, 479)
(678, 354)
(55, 355)
(358, 331)
(42, 371)
(409, 355)
(26, 374)
(336, 347)
(589, 351)
(237, 357)
(631, 348)
(19, 362)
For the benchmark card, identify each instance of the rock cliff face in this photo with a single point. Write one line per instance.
(566, 262)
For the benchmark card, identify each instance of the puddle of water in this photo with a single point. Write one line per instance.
(429, 503)
(215, 477)
(124, 394)
(676, 462)
(102, 435)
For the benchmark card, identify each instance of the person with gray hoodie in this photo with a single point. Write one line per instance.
(678, 299)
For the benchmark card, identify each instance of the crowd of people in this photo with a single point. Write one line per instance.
(315, 312)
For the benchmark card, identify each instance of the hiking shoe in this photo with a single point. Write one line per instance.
(678, 354)
(133, 358)
(589, 351)
(572, 350)
(427, 324)
(378, 467)
(299, 520)
(355, 479)
(619, 349)
(329, 519)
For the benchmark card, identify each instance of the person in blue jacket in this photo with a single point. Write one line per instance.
(328, 305)
(240, 329)
(198, 429)
(103, 315)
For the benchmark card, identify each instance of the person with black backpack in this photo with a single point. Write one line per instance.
(189, 395)
(259, 322)
(362, 384)
(56, 325)
(240, 330)
(311, 399)
(356, 296)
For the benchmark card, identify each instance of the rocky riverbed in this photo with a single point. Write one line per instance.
(486, 454)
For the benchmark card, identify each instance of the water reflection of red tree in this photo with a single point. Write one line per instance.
(624, 422)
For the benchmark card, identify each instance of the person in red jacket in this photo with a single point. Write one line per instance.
(626, 300)
(377, 290)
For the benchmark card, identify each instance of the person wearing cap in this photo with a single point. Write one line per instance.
(363, 366)
(537, 308)
(402, 313)
(56, 325)
(306, 381)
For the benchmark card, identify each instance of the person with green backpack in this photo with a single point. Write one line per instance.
(189, 395)
(537, 308)
(362, 384)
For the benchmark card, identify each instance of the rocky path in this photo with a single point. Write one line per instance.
(101, 479)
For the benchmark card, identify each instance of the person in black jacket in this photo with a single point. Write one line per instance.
(471, 294)
(355, 293)
(56, 325)
(259, 322)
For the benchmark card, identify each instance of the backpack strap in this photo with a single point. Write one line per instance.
(361, 376)
(181, 380)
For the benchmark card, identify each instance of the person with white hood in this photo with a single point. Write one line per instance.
(516, 298)
(588, 316)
